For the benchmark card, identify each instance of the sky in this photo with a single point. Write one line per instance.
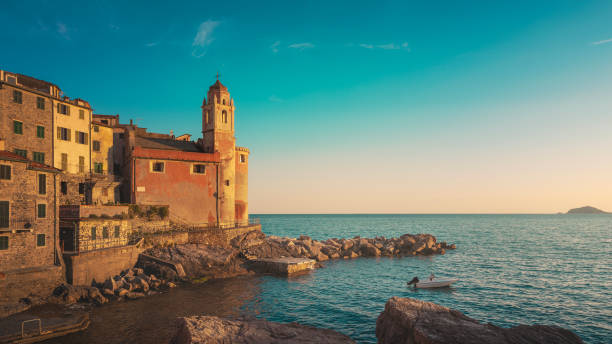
(350, 106)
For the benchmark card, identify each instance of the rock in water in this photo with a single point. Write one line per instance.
(214, 330)
(411, 321)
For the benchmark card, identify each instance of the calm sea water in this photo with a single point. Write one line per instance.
(513, 269)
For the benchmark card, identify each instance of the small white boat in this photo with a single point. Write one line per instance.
(432, 282)
(436, 283)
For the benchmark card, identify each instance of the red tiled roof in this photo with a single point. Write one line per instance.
(9, 156)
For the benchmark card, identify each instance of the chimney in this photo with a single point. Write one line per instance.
(131, 122)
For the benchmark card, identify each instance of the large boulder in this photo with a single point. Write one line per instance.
(369, 250)
(214, 330)
(411, 321)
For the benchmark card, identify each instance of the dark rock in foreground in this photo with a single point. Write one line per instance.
(411, 321)
(215, 330)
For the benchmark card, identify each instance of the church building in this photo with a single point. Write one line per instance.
(204, 182)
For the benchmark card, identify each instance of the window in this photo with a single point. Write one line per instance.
(42, 184)
(3, 243)
(224, 115)
(81, 188)
(199, 169)
(81, 137)
(227, 182)
(42, 211)
(242, 157)
(40, 131)
(22, 152)
(64, 161)
(96, 128)
(117, 231)
(93, 233)
(18, 127)
(17, 97)
(40, 240)
(63, 134)
(121, 135)
(223, 101)
(5, 172)
(98, 167)
(105, 233)
(63, 109)
(64, 187)
(205, 116)
(40, 103)
(81, 164)
(4, 214)
(81, 114)
(105, 121)
(11, 79)
(158, 167)
(38, 157)
(96, 145)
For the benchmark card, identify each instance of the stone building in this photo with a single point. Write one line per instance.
(26, 111)
(29, 259)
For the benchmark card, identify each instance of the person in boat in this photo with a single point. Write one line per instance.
(414, 281)
(432, 277)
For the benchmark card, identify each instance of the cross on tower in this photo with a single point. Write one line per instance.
(218, 75)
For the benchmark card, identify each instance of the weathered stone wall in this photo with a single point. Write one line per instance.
(31, 116)
(99, 265)
(87, 226)
(219, 236)
(72, 196)
(104, 135)
(164, 239)
(29, 283)
(24, 224)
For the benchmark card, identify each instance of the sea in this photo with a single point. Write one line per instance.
(512, 269)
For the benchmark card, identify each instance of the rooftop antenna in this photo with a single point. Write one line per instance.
(218, 75)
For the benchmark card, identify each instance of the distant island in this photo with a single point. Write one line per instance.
(586, 210)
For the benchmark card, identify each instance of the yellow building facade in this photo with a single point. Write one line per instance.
(71, 139)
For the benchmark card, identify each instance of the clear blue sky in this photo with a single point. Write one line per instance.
(479, 106)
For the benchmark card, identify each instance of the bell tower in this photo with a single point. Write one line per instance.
(218, 136)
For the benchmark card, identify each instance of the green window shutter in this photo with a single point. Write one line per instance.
(40, 240)
(42, 211)
(117, 231)
(93, 233)
(5, 172)
(42, 184)
(4, 214)
(68, 130)
(40, 132)
(4, 244)
(18, 127)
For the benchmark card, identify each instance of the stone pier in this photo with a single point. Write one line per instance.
(284, 265)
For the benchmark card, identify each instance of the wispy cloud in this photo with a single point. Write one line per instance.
(62, 30)
(603, 42)
(275, 99)
(274, 46)
(301, 46)
(203, 37)
(113, 27)
(152, 44)
(388, 46)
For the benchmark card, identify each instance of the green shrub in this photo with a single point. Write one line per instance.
(135, 210)
(162, 212)
(105, 216)
(93, 216)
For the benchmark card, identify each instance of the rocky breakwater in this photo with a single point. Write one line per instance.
(411, 321)
(214, 330)
(233, 259)
(305, 247)
(130, 284)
